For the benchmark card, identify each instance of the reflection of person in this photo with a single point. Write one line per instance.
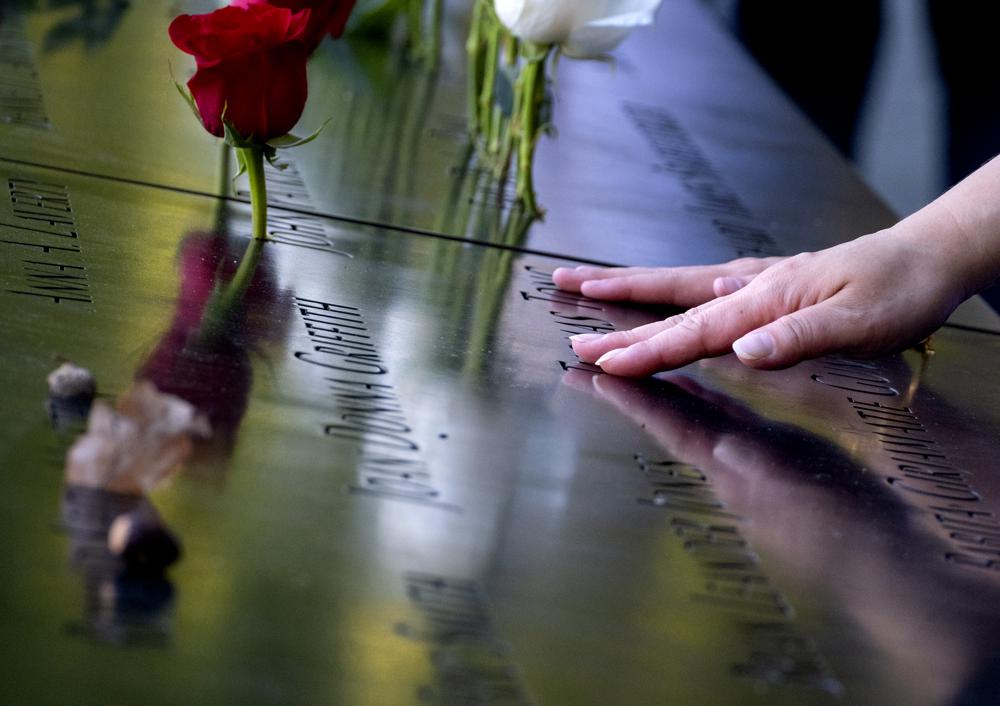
(878, 293)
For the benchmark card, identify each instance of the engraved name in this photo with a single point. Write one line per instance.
(472, 665)
(369, 414)
(541, 288)
(42, 223)
(711, 196)
(922, 468)
(21, 101)
(733, 579)
(285, 187)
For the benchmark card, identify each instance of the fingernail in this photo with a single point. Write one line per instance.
(754, 346)
(609, 355)
(586, 337)
(727, 285)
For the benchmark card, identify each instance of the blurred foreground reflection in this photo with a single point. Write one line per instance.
(182, 413)
(809, 509)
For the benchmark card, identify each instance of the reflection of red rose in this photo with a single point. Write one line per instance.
(214, 373)
(251, 64)
(325, 16)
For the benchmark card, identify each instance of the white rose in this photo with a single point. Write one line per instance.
(583, 28)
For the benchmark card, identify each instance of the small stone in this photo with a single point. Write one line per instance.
(69, 380)
(142, 542)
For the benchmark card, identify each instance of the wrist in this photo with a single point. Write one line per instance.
(958, 256)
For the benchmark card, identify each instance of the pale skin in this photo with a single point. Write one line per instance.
(879, 293)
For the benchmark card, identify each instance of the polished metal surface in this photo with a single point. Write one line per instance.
(415, 493)
(396, 150)
(684, 149)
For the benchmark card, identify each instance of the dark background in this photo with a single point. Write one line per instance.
(907, 89)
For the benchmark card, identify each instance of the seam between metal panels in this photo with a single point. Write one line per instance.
(305, 212)
(375, 224)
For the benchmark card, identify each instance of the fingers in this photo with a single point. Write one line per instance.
(753, 322)
(693, 337)
(591, 346)
(742, 325)
(806, 333)
(570, 278)
(679, 286)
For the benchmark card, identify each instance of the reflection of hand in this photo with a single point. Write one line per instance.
(726, 437)
(872, 295)
(822, 527)
(758, 466)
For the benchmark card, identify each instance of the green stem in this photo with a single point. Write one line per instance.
(238, 285)
(531, 93)
(467, 194)
(510, 49)
(518, 222)
(474, 50)
(415, 22)
(219, 309)
(253, 159)
(489, 81)
(225, 179)
(496, 133)
(505, 149)
(445, 222)
(225, 175)
(434, 36)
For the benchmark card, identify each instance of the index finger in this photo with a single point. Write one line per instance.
(680, 286)
(703, 332)
(570, 278)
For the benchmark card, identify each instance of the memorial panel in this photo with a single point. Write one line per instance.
(684, 149)
(414, 493)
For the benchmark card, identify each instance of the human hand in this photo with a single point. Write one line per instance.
(677, 286)
(869, 296)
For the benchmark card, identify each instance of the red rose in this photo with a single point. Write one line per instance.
(251, 63)
(325, 16)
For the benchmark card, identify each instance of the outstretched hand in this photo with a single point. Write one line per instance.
(878, 293)
(872, 295)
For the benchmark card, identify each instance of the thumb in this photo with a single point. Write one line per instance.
(806, 333)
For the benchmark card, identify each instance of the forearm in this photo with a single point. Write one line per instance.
(961, 230)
